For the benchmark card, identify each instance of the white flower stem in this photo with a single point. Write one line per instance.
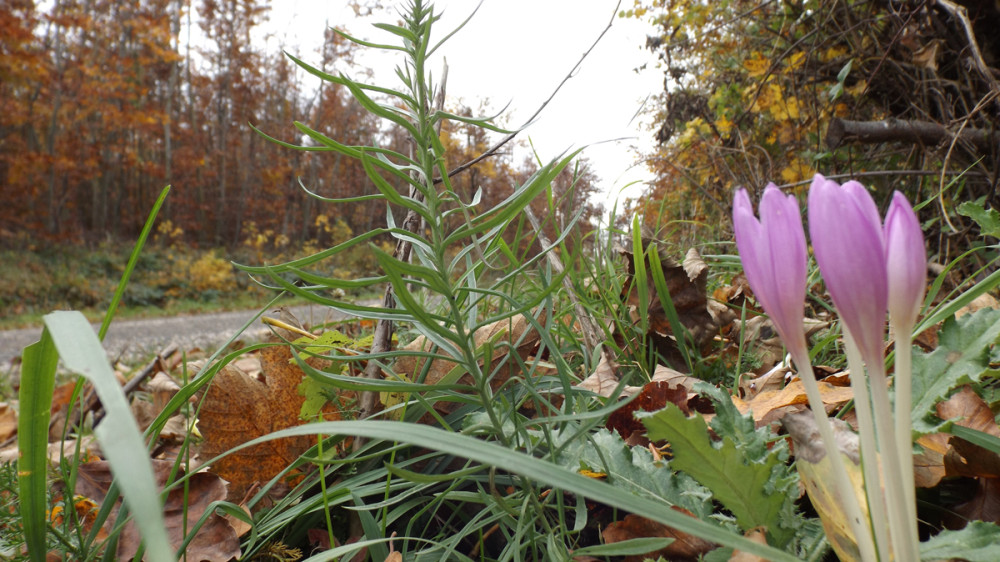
(902, 381)
(843, 488)
(899, 528)
(869, 449)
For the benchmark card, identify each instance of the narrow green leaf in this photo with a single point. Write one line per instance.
(984, 440)
(631, 547)
(536, 469)
(38, 375)
(118, 433)
(132, 260)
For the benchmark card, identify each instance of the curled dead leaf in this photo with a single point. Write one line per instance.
(757, 535)
(215, 541)
(685, 546)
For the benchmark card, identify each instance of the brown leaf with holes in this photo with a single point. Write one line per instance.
(239, 408)
(653, 396)
(215, 541)
(684, 547)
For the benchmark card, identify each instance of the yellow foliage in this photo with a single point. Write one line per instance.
(757, 65)
(796, 171)
(210, 273)
(794, 61)
(858, 89)
(833, 53)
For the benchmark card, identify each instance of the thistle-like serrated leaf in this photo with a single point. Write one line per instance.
(634, 470)
(962, 357)
(987, 219)
(755, 491)
(977, 542)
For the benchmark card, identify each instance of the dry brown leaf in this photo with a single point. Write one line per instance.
(984, 505)
(239, 408)
(775, 379)
(760, 335)
(927, 55)
(928, 466)
(984, 300)
(162, 388)
(603, 380)
(757, 535)
(685, 546)
(216, 541)
(653, 396)
(516, 331)
(964, 458)
(770, 405)
(58, 450)
(686, 284)
(8, 421)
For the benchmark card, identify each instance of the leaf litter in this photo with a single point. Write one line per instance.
(263, 392)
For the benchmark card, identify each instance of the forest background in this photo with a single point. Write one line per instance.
(103, 103)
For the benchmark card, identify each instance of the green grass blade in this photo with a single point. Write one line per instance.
(38, 375)
(984, 440)
(948, 310)
(118, 434)
(536, 469)
(132, 260)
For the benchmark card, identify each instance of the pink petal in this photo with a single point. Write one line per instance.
(906, 261)
(773, 252)
(847, 241)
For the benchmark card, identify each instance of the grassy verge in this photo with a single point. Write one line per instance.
(168, 281)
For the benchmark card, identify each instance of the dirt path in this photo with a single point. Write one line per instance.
(138, 339)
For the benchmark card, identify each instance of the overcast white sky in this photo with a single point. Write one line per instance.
(518, 51)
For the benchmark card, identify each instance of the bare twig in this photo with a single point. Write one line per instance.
(962, 15)
(510, 136)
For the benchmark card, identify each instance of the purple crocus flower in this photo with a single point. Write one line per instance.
(773, 252)
(849, 245)
(906, 262)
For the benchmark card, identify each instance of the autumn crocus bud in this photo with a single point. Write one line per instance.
(848, 243)
(906, 262)
(773, 252)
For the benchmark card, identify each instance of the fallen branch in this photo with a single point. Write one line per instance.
(842, 131)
